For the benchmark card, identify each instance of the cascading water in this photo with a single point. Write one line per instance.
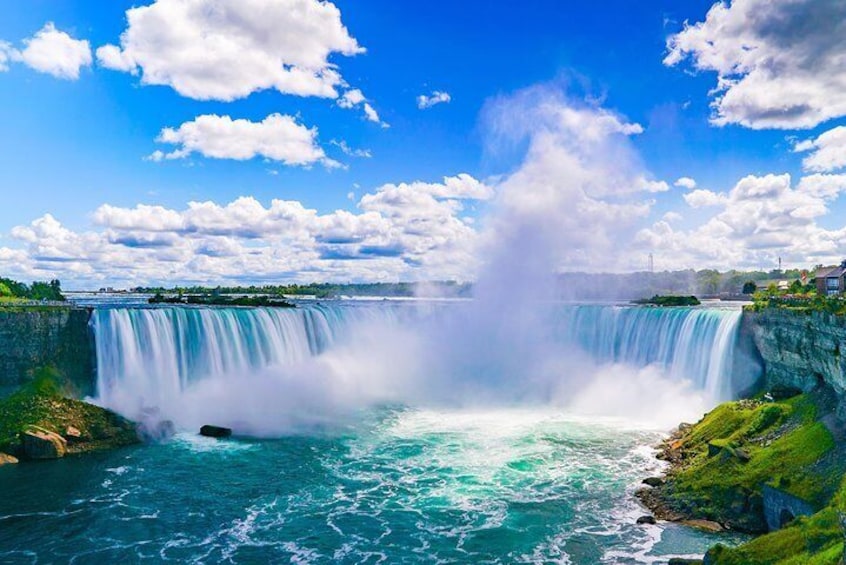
(690, 343)
(508, 475)
(147, 358)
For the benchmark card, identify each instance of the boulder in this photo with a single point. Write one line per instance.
(653, 481)
(157, 432)
(215, 431)
(7, 459)
(704, 525)
(39, 443)
(646, 520)
(73, 434)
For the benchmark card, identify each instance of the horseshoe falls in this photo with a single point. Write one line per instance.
(384, 432)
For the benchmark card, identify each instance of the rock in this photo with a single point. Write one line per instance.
(742, 454)
(714, 449)
(39, 443)
(73, 434)
(684, 561)
(7, 459)
(160, 431)
(646, 520)
(215, 431)
(705, 525)
(653, 481)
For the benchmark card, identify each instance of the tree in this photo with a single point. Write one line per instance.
(749, 287)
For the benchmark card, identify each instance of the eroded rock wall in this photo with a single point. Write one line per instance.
(31, 338)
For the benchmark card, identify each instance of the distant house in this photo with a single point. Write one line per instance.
(831, 281)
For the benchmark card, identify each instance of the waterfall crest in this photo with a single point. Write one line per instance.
(151, 357)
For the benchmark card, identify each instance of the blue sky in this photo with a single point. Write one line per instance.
(73, 144)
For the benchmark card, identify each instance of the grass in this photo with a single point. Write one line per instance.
(738, 447)
(42, 402)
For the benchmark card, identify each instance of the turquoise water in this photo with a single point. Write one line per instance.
(501, 486)
(378, 433)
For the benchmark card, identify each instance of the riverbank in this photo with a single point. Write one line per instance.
(771, 466)
(39, 421)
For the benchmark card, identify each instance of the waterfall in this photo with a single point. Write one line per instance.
(149, 357)
(689, 343)
(153, 354)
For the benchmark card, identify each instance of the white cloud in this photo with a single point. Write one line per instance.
(685, 182)
(49, 51)
(778, 64)
(700, 198)
(828, 151)
(652, 185)
(407, 230)
(347, 150)
(210, 50)
(277, 137)
(355, 98)
(760, 219)
(437, 97)
(6, 52)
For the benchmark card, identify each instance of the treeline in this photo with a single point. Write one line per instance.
(321, 290)
(51, 290)
(705, 282)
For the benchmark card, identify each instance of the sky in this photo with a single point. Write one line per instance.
(275, 141)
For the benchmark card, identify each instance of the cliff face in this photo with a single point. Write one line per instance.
(801, 350)
(37, 337)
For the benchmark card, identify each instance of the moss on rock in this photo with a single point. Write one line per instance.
(42, 403)
(720, 464)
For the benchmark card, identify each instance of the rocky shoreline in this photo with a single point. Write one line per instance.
(772, 466)
(40, 421)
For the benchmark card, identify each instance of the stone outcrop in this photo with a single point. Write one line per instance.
(780, 507)
(215, 431)
(6, 459)
(31, 338)
(38, 443)
(800, 349)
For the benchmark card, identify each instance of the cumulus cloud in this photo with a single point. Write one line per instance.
(277, 137)
(49, 51)
(210, 50)
(760, 219)
(406, 230)
(700, 198)
(778, 64)
(685, 182)
(437, 97)
(827, 152)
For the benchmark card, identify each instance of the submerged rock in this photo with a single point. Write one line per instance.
(6, 459)
(160, 431)
(39, 443)
(704, 525)
(647, 520)
(215, 431)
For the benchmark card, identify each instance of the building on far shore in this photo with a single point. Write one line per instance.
(831, 281)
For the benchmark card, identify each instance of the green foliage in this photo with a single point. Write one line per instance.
(41, 402)
(740, 446)
(749, 287)
(37, 291)
(658, 300)
(318, 290)
(220, 300)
